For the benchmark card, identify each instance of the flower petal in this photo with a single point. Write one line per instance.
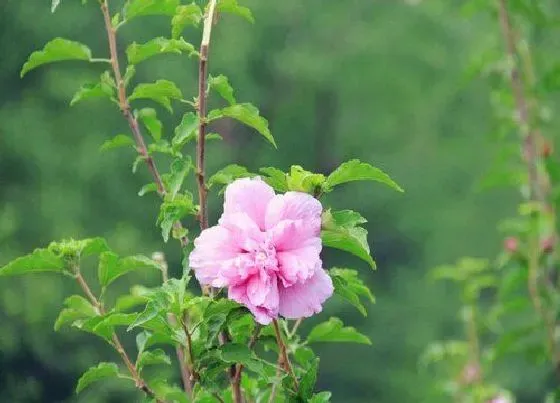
(260, 295)
(303, 300)
(298, 265)
(214, 250)
(250, 196)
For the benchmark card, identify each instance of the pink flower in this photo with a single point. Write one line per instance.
(265, 250)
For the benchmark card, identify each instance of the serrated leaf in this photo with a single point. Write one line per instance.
(149, 118)
(228, 174)
(275, 178)
(233, 7)
(153, 357)
(102, 371)
(340, 231)
(120, 140)
(106, 326)
(92, 246)
(334, 331)
(59, 49)
(111, 267)
(137, 8)
(308, 380)
(162, 92)
(189, 14)
(174, 210)
(247, 114)
(222, 86)
(186, 131)
(137, 53)
(180, 168)
(300, 180)
(66, 316)
(152, 309)
(348, 285)
(40, 260)
(355, 170)
(91, 90)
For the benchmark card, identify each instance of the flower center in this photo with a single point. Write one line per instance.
(265, 256)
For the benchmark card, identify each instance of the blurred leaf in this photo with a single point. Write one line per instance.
(40, 260)
(334, 331)
(153, 357)
(247, 114)
(92, 246)
(147, 188)
(120, 140)
(148, 116)
(137, 53)
(308, 380)
(174, 210)
(137, 8)
(340, 231)
(81, 305)
(111, 267)
(228, 174)
(94, 374)
(54, 5)
(355, 170)
(102, 89)
(58, 49)
(349, 286)
(323, 397)
(275, 178)
(232, 7)
(189, 14)
(162, 92)
(186, 131)
(180, 168)
(222, 86)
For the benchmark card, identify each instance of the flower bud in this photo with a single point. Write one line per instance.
(511, 244)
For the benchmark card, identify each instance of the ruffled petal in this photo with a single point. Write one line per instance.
(303, 300)
(215, 251)
(244, 231)
(250, 196)
(260, 295)
(298, 265)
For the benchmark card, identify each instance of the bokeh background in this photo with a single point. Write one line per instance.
(385, 81)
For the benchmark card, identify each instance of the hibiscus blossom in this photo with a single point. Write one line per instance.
(265, 250)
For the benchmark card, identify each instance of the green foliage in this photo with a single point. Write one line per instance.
(105, 88)
(138, 8)
(228, 174)
(162, 92)
(348, 285)
(185, 15)
(101, 371)
(120, 140)
(334, 331)
(355, 170)
(40, 260)
(221, 85)
(112, 267)
(59, 49)
(232, 7)
(148, 116)
(137, 53)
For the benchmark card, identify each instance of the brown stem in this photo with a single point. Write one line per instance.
(284, 353)
(239, 369)
(126, 110)
(140, 383)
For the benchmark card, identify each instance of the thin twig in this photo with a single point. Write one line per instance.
(140, 383)
(239, 368)
(127, 112)
(284, 353)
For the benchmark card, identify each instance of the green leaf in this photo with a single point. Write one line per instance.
(222, 86)
(232, 7)
(275, 178)
(308, 380)
(66, 316)
(154, 357)
(81, 305)
(355, 170)
(58, 49)
(92, 90)
(102, 371)
(300, 180)
(147, 188)
(148, 116)
(92, 246)
(334, 331)
(348, 285)
(323, 397)
(186, 131)
(174, 210)
(40, 260)
(228, 174)
(120, 140)
(137, 53)
(340, 231)
(137, 8)
(54, 5)
(247, 114)
(180, 168)
(111, 267)
(152, 310)
(162, 92)
(189, 14)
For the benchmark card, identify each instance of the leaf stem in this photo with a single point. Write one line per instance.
(284, 360)
(140, 383)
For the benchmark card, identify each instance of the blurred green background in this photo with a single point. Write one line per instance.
(383, 81)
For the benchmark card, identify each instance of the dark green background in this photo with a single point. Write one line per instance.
(383, 81)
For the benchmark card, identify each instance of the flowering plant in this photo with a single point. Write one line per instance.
(265, 248)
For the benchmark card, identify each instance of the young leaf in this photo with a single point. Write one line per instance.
(186, 131)
(120, 140)
(340, 231)
(111, 267)
(154, 357)
(137, 53)
(174, 210)
(348, 285)
(232, 7)
(228, 174)
(248, 114)
(92, 246)
(180, 168)
(102, 371)
(105, 88)
(334, 331)
(301, 180)
(40, 260)
(276, 178)
(137, 8)
(162, 92)
(189, 14)
(58, 49)
(222, 86)
(147, 188)
(307, 383)
(81, 305)
(148, 116)
(355, 170)
(66, 316)
(152, 309)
